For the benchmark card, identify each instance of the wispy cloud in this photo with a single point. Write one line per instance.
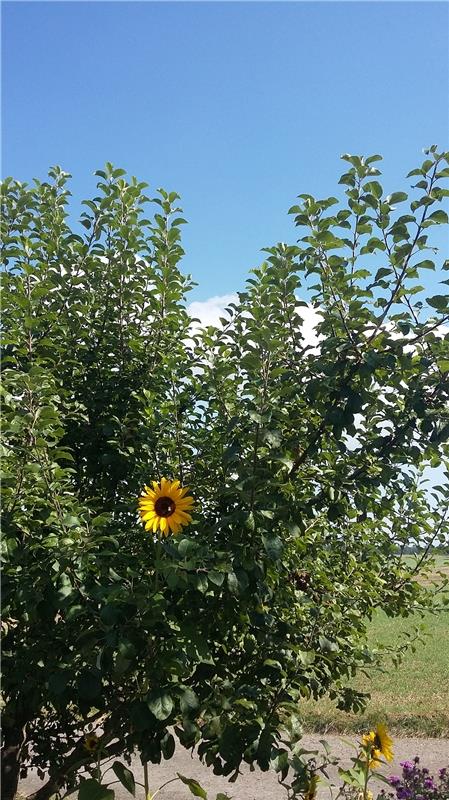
(209, 311)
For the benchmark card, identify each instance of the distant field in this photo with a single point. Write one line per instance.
(413, 699)
(441, 566)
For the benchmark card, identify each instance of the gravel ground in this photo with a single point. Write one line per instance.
(434, 753)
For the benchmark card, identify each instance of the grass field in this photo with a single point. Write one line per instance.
(413, 698)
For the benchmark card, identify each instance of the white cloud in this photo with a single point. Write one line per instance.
(209, 313)
(311, 317)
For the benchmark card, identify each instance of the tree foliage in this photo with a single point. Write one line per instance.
(306, 459)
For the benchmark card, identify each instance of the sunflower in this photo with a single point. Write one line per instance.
(377, 744)
(165, 507)
(91, 742)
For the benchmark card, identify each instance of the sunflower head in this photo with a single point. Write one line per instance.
(91, 742)
(376, 744)
(165, 507)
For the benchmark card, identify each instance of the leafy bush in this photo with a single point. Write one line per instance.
(305, 459)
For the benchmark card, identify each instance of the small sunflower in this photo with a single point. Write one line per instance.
(378, 743)
(91, 742)
(165, 507)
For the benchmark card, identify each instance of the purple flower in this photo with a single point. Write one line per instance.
(442, 772)
(406, 765)
(394, 780)
(403, 793)
(429, 784)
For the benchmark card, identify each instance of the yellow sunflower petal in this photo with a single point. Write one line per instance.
(188, 499)
(385, 742)
(148, 515)
(170, 522)
(187, 510)
(184, 506)
(143, 513)
(163, 524)
(181, 504)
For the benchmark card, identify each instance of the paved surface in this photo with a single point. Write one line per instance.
(434, 753)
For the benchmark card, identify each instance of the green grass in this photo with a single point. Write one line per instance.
(413, 698)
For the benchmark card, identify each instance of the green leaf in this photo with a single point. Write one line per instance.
(353, 777)
(438, 217)
(327, 646)
(168, 746)
(396, 197)
(374, 188)
(193, 785)
(70, 521)
(216, 577)
(355, 160)
(347, 179)
(187, 547)
(426, 264)
(92, 790)
(438, 301)
(250, 521)
(382, 273)
(414, 172)
(160, 704)
(382, 778)
(233, 583)
(270, 662)
(238, 581)
(306, 657)
(273, 546)
(90, 685)
(188, 700)
(125, 777)
(58, 681)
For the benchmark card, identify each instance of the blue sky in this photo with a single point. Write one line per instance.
(237, 106)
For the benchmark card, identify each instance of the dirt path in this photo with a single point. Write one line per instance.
(434, 753)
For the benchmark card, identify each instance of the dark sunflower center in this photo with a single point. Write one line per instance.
(164, 507)
(377, 743)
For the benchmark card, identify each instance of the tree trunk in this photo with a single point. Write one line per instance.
(13, 739)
